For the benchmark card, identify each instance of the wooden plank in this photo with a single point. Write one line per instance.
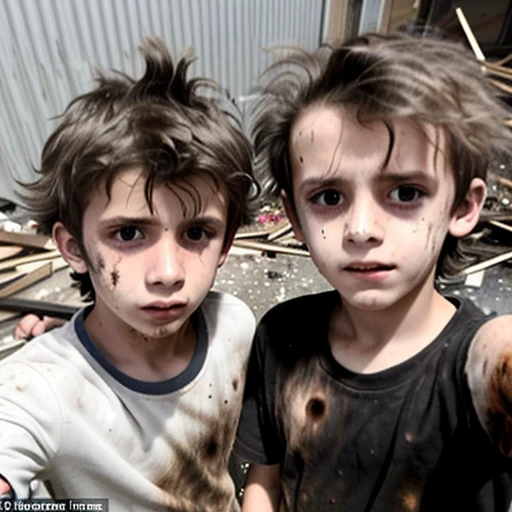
(30, 274)
(337, 28)
(8, 315)
(469, 35)
(8, 251)
(395, 13)
(269, 247)
(27, 240)
(495, 260)
(12, 263)
(278, 233)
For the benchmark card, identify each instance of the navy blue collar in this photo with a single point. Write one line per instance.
(140, 386)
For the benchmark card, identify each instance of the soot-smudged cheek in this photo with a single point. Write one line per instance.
(500, 404)
(114, 277)
(111, 275)
(100, 263)
(430, 227)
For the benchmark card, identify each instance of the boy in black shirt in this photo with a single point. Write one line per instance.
(380, 395)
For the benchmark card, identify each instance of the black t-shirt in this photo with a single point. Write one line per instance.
(403, 439)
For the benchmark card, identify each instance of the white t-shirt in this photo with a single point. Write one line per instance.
(72, 420)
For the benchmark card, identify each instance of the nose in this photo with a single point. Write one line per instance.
(165, 264)
(363, 222)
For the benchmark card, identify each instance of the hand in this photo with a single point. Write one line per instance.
(31, 325)
(5, 488)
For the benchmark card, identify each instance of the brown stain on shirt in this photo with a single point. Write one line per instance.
(316, 408)
(306, 397)
(410, 501)
(197, 478)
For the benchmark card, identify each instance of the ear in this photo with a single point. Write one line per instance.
(292, 217)
(68, 247)
(466, 215)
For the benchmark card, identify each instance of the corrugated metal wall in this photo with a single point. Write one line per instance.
(49, 48)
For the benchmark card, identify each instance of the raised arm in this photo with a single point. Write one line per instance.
(31, 325)
(489, 371)
(262, 489)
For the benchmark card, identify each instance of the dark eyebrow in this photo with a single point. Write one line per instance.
(326, 182)
(206, 220)
(391, 177)
(407, 176)
(128, 221)
(201, 220)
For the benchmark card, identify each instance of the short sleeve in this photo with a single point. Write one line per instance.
(258, 439)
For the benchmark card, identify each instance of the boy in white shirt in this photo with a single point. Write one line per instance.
(136, 399)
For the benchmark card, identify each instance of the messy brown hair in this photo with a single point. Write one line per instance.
(385, 78)
(160, 124)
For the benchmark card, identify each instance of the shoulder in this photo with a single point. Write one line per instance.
(226, 300)
(296, 328)
(228, 313)
(468, 313)
(460, 330)
(496, 329)
(53, 356)
(302, 309)
(47, 348)
(222, 303)
(492, 342)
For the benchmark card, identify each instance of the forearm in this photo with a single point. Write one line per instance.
(489, 372)
(262, 489)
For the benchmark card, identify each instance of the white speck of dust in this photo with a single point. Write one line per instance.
(282, 294)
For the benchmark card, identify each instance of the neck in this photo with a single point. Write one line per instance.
(370, 341)
(140, 356)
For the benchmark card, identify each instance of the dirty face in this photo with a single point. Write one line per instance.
(374, 233)
(151, 270)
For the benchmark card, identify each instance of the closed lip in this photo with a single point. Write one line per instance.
(163, 305)
(368, 266)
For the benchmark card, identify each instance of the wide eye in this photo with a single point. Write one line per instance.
(128, 234)
(330, 197)
(406, 194)
(195, 233)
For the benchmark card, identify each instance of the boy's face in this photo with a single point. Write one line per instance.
(151, 271)
(375, 234)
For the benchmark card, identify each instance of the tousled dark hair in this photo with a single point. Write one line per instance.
(160, 124)
(385, 78)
